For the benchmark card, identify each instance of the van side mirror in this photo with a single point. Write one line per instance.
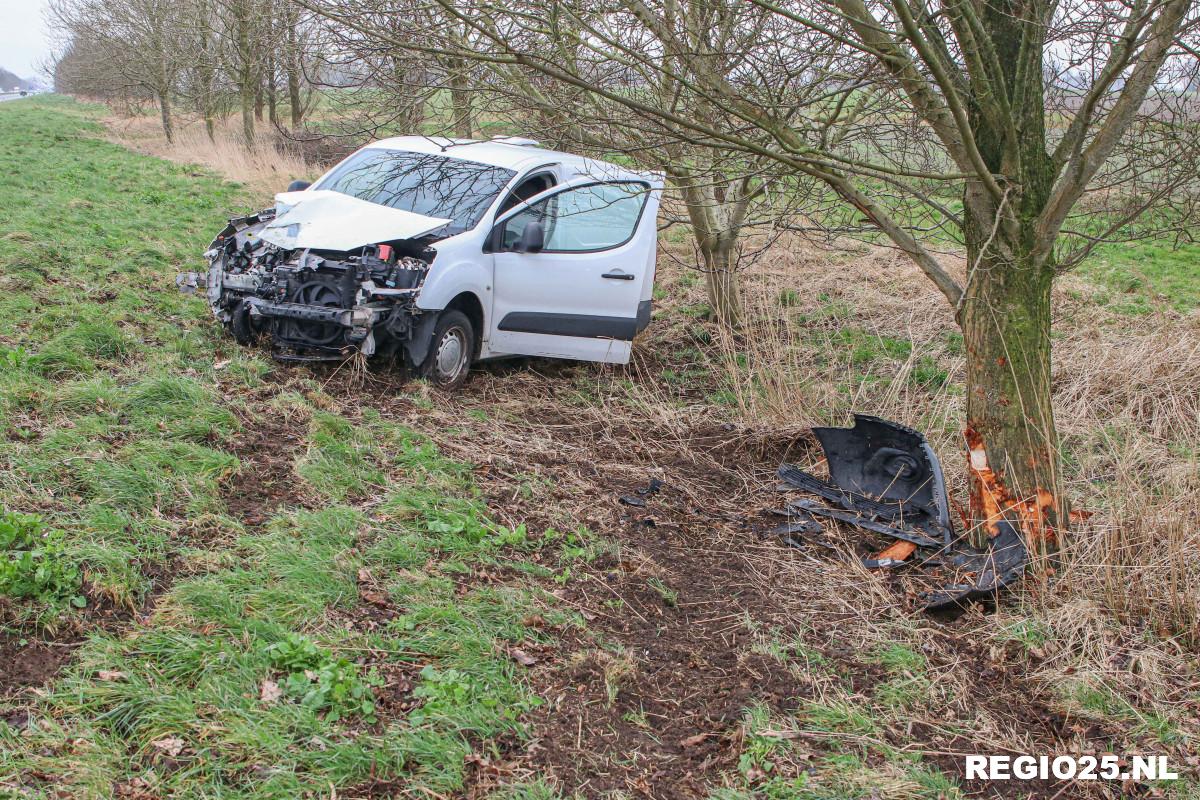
(533, 238)
(298, 186)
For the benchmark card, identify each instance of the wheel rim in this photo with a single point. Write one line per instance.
(451, 354)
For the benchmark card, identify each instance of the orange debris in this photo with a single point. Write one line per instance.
(897, 551)
(998, 502)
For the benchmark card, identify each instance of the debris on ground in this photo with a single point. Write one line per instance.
(638, 499)
(885, 478)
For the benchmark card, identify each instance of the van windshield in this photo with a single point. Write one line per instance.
(423, 183)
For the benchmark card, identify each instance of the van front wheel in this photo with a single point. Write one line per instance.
(451, 353)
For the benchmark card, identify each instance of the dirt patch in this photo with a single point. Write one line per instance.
(32, 662)
(32, 659)
(266, 479)
(650, 698)
(39, 657)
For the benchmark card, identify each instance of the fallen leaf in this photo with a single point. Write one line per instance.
(171, 745)
(375, 598)
(110, 675)
(364, 575)
(692, 741)
(522, 658)
(270, 692)
(221, 364)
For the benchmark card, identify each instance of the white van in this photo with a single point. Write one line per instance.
(444, 252)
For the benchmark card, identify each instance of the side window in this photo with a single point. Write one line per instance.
(598, 216)
(528, 188)
(542, 212)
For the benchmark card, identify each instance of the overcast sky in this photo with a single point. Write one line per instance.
(24, 40)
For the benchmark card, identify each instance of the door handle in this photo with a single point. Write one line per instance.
(618, 276)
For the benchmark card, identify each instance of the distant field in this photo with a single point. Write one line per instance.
(1141, 275)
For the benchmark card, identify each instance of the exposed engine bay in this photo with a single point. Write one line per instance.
(314, 304)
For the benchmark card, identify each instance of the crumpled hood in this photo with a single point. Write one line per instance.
(326, 220)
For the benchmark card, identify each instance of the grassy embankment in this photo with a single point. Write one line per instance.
(239, 657)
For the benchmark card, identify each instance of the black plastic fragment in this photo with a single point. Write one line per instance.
(636, 499)
(885, 478)
(858, 520)
(1002, 563)
(804, 526)
(887, 461)
(895, 512)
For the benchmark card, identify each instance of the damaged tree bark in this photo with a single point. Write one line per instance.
(1006, 331)
(1005, 309)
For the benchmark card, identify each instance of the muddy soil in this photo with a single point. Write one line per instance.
(650, 699)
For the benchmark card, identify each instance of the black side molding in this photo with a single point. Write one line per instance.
(643, 317)
(585, 326)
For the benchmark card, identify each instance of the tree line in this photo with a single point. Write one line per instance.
(1021, 134)
(215, 57)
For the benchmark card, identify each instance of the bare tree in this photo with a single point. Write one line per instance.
(1023, 131)
(134, 43)
(242, 57)
(292, 55)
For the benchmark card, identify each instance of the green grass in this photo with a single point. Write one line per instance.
(34, 564)
(1143, 274)
(847, 765)
(256, 675)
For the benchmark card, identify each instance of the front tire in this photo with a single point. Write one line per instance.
(451, 353)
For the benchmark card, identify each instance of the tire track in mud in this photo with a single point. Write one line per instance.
(650, 698)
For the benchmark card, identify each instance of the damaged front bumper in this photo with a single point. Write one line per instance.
(886, 479)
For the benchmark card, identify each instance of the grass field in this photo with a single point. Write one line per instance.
(245, 662)
(251, 581)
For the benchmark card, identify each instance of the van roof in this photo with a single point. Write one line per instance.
(499, 153)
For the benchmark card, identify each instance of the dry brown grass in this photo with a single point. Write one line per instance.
(1127, 399)
(266, 168)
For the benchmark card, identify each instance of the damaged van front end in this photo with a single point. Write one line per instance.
(322, 275)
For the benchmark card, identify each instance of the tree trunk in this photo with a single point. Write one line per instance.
(1005, 320)
(463, 122)
(291, 64)
(410, 80)
(1005, 312)
(272, 104)
(245, 68)
(293, 88)
(272, 94)
(247, 94)
(206, 71)
(721, 281)
(168, 122)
